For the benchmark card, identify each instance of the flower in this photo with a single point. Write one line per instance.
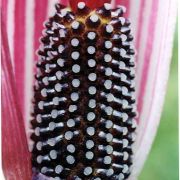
(153, 24)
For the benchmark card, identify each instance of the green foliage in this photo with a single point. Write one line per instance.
(162, 163)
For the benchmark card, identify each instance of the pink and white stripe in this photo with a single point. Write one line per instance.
(153, 84)
(153, 24)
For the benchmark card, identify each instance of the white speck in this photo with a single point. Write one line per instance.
(91, 62)
(44, 170)
(121, 176)
(109, 137)
(72, 108)
(44, 92)
(89, 144)
(125, 103)
(124, 117)
(122, 52)
(51, 142)
(47, 68)
(92, 77)
(108, 72)
(125, 156)
(56, 101)
(75, 55)
(110, 98)
(107, 58)
(59, 75)
(91, 50)
(125, 168)
(92, 103)
(39, 159)
(108, 44)
(62, 33)
(71, 148)
(37, 131)
(61, 48)
(53, 154)
(123, 37)
(45, 81)
(54, 113)
(75, 42)
(58, 87)
(76, 68)
(92, 90)
(60, 62)
(81, 5)
(125, 131)
(109, 149)
(123, 20)
(89, 155)
(109, 28)
(122, 64)
(124, 90)
(107, 160)
(70, 123)
(87, 171)
(110, 172)
(39, 146)
(100, 147)
(94, 18)
(91, 35)
(70, 159)
(41, 105)
(107, 6)
(91, 131)
(109, 124)
(68, 135)
(38, 118)
(75, 25)
(125, 143)
(58, 169)
(108, 84)
(74, 96)
(52, 126)
(75, 82)
(109, 110)
(91, 116)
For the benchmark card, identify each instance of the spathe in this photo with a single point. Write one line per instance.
(153, 24)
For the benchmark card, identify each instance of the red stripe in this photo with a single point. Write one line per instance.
(148, 52)
(16, 157)
(65, 2)
(140, 24)
(125, 3)
(4, 9)
(39, 18)
(19, 48)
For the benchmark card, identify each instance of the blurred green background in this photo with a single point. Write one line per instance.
(162, 162)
